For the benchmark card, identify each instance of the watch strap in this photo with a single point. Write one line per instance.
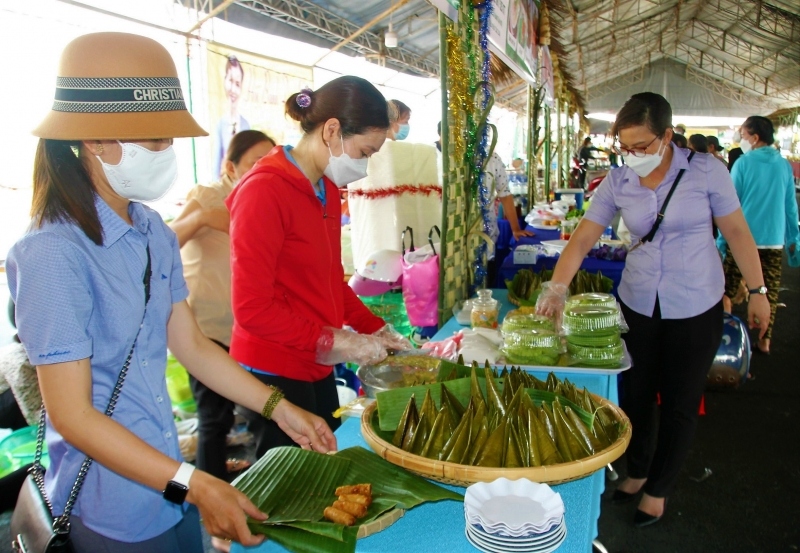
(183, 475)
(760, 290)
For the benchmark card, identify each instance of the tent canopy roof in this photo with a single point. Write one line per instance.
(718, 53)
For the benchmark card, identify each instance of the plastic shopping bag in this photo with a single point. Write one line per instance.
(421, 280)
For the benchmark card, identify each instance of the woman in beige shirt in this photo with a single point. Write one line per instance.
(202, 230)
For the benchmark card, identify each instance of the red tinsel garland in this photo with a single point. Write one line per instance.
(380, 193)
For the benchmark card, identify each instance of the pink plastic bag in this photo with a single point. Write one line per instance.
(421, 281)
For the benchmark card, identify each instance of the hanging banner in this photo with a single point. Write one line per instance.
(249, 92)
(447, 7)
(512, 34)
(546, 75)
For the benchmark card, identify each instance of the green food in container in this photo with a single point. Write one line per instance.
(607, 356)
(584, 319)
(592, 298)
(600, 338)
(517, 320)
(532, 347)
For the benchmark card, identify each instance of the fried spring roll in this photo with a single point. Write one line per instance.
(356, 509)
(359, 489)
(365, 500)
(339, 517)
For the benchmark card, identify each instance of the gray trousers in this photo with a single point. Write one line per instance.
(184, 537)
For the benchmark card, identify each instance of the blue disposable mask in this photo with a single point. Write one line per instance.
(402, 132)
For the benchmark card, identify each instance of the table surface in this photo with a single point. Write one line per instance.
(507, 270)
(439, 527)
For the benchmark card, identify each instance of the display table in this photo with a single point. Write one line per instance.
(507, 270)
(439, 527)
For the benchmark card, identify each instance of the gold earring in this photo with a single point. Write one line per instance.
(100, 148)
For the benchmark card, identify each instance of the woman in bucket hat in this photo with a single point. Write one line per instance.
(79, 279)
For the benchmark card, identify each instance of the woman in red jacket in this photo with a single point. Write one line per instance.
(290, 299)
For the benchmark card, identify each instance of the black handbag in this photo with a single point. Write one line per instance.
(33, 528)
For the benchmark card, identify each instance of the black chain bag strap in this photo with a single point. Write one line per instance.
(660, 216)
(34, 529)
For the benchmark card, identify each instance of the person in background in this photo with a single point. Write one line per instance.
(399, 127)
(673, 308)
(496, 182)
(202, 230)
(715, 149)
(98, 284)
(290, 298)
(585, 154)
(680, 129)
(680, 141)
(698, 143)
(734, 154)
(231, 121)
(765, 186)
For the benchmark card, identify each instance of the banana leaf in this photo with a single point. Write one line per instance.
(440, 432)
(452, 403)
(421, 435)
(534, 454)
(409, 419)
(588, 440)
(392, 487)
(568, 444)
(493, 451)
(392, 403)
(458, 444)
(452, 371)
(475, 392)
(513, 454)
(547, 447)
(478, 442)
(546, 418)
(429, 408)
(494, 399)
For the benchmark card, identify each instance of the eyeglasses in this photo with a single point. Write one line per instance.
(636, 152)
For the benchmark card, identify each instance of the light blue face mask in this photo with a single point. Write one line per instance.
(402, 133)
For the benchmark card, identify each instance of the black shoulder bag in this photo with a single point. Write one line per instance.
(660, 216)
(34, 529)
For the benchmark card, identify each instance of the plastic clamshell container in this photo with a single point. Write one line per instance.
(596, 339)
(515, 320)
(592, 298)
(581, 319)
(532, 346)
(596, 356)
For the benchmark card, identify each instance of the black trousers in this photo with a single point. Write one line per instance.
(320, 398)
(215, 419)
(671, 357)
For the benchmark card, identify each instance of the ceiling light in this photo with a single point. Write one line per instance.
(390, 38)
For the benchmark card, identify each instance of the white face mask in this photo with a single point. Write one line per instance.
(343, 170)
(745, 145)
(645, 165)
(141, 174)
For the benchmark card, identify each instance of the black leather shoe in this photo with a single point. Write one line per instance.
(621, 497)
(642, 519)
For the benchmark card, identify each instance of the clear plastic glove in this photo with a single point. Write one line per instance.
(551, 301)
(392, 340)
(343, 346)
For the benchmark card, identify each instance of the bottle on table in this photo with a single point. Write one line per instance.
(485, 310)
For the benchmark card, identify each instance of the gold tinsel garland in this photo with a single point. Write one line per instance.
(458, 81)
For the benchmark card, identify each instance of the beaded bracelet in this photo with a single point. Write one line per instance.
(272, 402)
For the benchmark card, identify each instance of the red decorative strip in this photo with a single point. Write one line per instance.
(380, 193)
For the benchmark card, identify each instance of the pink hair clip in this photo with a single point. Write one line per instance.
(304, 98)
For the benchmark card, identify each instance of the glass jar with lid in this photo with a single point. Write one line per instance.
(485, 310)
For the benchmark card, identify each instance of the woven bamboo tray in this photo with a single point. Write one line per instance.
(465, 475)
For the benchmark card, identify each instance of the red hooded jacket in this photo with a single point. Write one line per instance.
(287, 276)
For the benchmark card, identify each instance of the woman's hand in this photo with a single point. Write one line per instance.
(758, 313)
(551, 301)
(306, 429)
(391, 339)
(339, 346)
(520, 233)
(223, 509)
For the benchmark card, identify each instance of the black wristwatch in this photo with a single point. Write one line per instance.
(178, 487)
(760, 290)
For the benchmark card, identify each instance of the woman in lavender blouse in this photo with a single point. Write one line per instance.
(671, 289)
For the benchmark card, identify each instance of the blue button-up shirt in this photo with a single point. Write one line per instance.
(681, 265)
(77, 300)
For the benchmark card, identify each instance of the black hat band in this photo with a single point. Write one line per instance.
(118, 94)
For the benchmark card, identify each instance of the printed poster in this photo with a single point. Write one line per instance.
(248, 92)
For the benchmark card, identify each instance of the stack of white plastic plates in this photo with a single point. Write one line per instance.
(517, 516)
